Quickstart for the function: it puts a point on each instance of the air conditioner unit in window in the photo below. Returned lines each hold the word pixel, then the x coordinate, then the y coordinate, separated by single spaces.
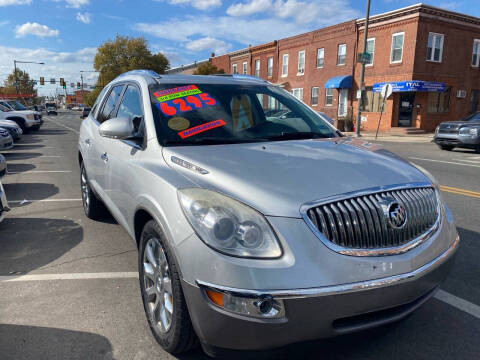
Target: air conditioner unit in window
pixel 301 71
pixel 462 94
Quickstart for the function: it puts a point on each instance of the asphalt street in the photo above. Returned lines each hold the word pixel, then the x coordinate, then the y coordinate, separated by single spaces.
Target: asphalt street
pixel 68 286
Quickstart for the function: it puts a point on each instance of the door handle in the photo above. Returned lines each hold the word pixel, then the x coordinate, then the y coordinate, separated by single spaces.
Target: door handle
pixel 104 157
pixel 88 142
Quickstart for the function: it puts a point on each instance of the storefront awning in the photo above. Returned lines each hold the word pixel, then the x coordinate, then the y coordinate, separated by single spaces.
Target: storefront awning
pixel 339 82
pixel 412 85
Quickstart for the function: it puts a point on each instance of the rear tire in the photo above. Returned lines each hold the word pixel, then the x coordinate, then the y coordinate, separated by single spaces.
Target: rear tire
pixel 92 206
pixel 446 147
pixel 162 293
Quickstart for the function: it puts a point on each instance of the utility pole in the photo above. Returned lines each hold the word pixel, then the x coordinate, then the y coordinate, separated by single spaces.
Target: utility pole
pixel 362 72
pixel 15 72
pixel 81 77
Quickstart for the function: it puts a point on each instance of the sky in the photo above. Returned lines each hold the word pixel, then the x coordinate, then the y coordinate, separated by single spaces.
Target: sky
pixel 64 34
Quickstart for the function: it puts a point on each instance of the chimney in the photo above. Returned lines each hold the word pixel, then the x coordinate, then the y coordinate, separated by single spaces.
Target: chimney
pixel 212 55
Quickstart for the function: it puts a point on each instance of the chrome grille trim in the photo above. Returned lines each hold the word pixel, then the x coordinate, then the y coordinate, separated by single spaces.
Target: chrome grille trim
pixel 354 223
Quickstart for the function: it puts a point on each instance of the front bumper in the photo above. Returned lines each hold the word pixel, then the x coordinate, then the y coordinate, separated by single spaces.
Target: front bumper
pixel 459 140
pixel 6 143
pixel 314 313
pixel 3 203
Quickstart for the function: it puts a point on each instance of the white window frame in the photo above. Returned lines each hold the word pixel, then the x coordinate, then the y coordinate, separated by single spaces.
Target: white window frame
pixel 301 71
pixel 338 54
pixel 318 57
pixel 432 58
pixel 269 66
pixel 326 96
pixel 311 96
pixel 300 90
pixel 373 53
pixel 391 47
pixel 284 64
pixel 234 69
pixel 476 41
pixel 257 67
pixel 244 68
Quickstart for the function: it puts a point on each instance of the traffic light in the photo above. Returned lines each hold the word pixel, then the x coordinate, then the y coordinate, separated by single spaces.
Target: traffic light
pixel 42 80
pixel 62 82
pixel 78 86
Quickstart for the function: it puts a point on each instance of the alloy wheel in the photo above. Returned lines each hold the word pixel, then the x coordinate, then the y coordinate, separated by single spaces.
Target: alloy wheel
pixel 157 284
pixel 85 189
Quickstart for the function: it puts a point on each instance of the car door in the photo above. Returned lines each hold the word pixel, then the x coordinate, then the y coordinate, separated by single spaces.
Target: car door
pixel 99 145
pixel 124 156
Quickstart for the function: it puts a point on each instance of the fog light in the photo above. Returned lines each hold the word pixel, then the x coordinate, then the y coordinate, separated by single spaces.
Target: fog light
pixel 264 306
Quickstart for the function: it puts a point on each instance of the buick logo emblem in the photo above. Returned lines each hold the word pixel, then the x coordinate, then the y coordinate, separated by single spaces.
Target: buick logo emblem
pixel 394 213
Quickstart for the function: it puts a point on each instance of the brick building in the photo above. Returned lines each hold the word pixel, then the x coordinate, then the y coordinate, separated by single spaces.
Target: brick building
pixel 430 56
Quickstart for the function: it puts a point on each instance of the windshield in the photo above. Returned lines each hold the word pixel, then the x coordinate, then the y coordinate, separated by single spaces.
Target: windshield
pixel 50 105
pixel 473 117
pixel 17 106
pixel 216 114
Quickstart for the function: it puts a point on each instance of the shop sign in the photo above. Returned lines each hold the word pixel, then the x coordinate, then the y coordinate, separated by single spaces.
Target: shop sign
pixel 412 85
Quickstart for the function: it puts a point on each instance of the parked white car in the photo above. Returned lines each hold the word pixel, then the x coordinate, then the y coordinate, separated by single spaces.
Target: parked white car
pixel 3 166
pixel 6 141
pixel 3 203
pixel 26 119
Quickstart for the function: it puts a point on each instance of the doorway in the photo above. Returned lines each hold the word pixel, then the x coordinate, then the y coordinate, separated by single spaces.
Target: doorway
pixel 405 111
pixel 342 103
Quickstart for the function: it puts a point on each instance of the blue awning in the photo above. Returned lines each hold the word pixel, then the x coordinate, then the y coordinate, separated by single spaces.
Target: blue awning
pixel 339 82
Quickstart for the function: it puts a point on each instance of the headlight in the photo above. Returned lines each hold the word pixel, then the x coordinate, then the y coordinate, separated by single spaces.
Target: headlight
pixel 473 131
pixel 227 225
pixel 30 116
pixel 436 129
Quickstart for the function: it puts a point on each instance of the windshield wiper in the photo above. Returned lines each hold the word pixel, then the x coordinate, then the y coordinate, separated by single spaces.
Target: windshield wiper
pixel 213 141
pixel 298 135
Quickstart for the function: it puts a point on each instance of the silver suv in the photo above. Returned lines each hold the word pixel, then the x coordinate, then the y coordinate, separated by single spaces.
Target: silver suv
pixel 258 224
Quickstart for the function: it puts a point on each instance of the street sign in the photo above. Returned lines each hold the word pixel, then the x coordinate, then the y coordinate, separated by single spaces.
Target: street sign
pixel 359 94
pixel 52 80
pixel 364 58
pixel 386 91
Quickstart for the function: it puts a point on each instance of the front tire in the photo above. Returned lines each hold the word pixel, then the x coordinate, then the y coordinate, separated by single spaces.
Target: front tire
pixel 162 294
pixel 446 147
pixel 92 206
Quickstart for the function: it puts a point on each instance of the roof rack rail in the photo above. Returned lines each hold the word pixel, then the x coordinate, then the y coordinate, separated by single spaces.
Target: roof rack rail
pixel 144 72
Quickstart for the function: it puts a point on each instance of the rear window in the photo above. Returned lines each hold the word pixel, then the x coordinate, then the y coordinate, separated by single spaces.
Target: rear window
pixel 212 113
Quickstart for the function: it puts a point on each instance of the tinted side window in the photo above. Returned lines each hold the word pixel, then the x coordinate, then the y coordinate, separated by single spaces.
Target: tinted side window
pixel 131 106
pixel 110 104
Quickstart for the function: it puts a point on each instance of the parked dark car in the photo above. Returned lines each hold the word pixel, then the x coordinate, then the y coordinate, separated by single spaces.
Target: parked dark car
pixel 463 134
pixel 85 112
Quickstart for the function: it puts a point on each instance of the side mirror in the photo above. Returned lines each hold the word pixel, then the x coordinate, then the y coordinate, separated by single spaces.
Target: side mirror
pixel 117 128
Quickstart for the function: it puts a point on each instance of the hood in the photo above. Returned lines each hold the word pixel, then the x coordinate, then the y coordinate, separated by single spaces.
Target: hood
pixel 23 112
pixel 9 123
pixel 276 178
pixel 455 125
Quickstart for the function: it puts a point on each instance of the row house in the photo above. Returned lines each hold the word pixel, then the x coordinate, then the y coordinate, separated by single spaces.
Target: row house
pixel 430 56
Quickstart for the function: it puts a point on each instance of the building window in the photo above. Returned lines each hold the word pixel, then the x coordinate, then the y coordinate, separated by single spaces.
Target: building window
pixel 371 101
pixel 234 69
pixel 320 57
pixel 341 54
pixel 371 51
pixel 474 99
pixel 257 68
pixel 285 65
pixel 301 62
pixel 476 53
pixel 244 68
pixel 397 48
pixel 298 93
pixel 439 102
pixel 328 97
pixel 270 67
pixel 314 100
pixel 435 47
pixel 272 103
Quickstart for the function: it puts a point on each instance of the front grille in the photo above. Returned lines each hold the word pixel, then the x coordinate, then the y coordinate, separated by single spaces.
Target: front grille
pixel 362 222
pixel 448 131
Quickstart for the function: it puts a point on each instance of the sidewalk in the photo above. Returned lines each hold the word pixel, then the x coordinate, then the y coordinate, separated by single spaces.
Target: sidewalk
pixel 370 136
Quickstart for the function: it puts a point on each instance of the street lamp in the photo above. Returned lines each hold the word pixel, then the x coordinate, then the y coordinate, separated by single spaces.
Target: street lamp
pixel 15 62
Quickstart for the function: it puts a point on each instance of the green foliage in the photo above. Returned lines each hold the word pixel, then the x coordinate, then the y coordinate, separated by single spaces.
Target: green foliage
pixel 207 69
pixel 126 53
pixel 25 85
pixel 89 99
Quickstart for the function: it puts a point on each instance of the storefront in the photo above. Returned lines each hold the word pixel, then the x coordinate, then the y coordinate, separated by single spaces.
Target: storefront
pixel 409 100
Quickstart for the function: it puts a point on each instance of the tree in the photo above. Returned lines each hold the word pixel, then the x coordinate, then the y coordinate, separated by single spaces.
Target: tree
pixel 207 69
pixel 25 85
pixel 127 53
